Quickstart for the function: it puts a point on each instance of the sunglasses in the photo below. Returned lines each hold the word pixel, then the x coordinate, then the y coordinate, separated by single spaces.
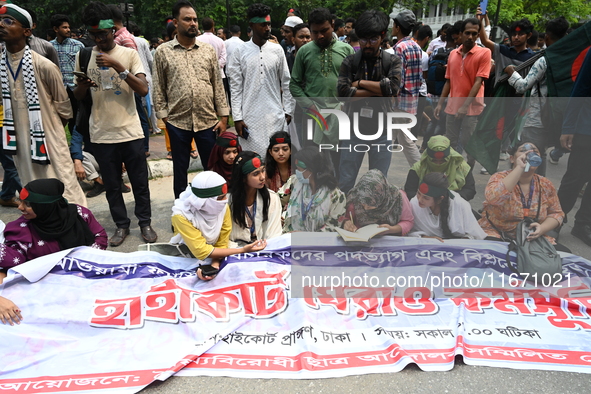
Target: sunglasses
pixel 372 41
pixel 8 21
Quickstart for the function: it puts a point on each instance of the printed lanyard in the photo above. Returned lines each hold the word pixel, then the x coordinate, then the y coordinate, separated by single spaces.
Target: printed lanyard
pixel 307 209
pixel 251 217
pixel 373 71
pixel 527 206
pixel 18 70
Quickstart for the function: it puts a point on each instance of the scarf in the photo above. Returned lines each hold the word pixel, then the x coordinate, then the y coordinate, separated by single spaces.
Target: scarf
pixel 374 190
pixel 38 147
pixel 455 167
pixel 56 220
pixel 216 161
pixel 206 214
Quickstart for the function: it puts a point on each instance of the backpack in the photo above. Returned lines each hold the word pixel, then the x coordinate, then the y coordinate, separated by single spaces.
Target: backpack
pixel 84 105
pixel 537 260
pixel 386 62
pixel 436 72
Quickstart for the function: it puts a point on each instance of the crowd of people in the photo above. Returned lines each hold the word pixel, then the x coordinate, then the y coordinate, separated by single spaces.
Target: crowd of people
pixel 112 88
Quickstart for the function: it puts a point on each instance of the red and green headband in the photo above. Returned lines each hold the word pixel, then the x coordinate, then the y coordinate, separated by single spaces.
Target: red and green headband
pixel 260 19
pixel 433 191
pixel 227 142
pixel 38 198
pixel 104 24
pixel 214 191
pixel 280 140
pixel 252 165
pixel 438 155
pixel 300 164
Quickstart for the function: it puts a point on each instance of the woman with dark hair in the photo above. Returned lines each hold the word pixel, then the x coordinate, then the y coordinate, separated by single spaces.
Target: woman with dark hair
pixel 374 201
pixel 226 148
pixel 278 160
pixel 441 213
pixel 256 211
pixel 315 202
pixel 513 195
pixel 48 224
pixel 202 220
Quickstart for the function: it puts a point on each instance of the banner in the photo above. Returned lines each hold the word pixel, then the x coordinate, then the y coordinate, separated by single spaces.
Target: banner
pixel 96 320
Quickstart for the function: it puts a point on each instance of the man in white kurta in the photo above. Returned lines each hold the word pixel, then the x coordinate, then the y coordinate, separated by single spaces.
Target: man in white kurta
pixel 55 107
pixel 259 86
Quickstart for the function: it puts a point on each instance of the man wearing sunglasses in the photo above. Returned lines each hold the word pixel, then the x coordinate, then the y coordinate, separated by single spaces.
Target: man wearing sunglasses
pixel 370 72
pixel 114 125
pixel 36 109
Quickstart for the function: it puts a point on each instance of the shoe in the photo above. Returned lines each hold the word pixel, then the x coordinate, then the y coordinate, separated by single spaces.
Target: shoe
pixel 504 156
pixel 119 236
pixel 194 154
pixel 582 232
pixel 12 203
pixel 125 188
pixel 169 155
pixel 97 189
pixel 483 171
pixel 149 234
pixel 147 154
pixel 552 158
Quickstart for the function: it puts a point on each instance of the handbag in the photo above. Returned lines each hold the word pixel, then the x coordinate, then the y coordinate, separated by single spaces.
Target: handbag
pixel 535 259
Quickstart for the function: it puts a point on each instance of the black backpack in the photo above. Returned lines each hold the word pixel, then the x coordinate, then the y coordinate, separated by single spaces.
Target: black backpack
pixel 84 105
pixel 436 73
pixel 386 61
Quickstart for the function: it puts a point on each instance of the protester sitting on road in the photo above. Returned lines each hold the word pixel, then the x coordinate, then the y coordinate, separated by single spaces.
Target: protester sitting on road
pixel 442 213
pixel 374 201
pixel 226 148
pixel 202 220
pixel 315 202
pixel 512 195
pixel 278 160
pixel 256 210
pixel 48 224
pixel 441 157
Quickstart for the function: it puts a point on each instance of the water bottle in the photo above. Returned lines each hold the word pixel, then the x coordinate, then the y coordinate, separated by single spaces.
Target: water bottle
pixel 106 81
pixel 533 159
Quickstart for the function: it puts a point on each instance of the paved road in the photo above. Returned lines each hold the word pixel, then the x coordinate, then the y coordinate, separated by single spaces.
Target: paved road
pixel 462 379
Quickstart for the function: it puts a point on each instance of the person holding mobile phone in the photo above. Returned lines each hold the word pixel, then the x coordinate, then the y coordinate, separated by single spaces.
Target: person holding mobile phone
pixel 201 219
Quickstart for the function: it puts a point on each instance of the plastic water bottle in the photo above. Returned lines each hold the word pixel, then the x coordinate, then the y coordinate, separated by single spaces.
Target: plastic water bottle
pixel 533 160
pixel 106 81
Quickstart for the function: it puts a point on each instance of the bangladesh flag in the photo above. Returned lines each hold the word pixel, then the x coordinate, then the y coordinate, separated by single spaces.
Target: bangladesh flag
pixel 565 59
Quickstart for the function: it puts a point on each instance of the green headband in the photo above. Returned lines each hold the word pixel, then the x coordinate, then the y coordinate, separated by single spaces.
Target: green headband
pixel 30 196
pixel 104 24
pixel 17 13
pixel 252 165
pixel 210 191
pixel 442 154
pixel 227 142
pixel 300 164
pixel 433 191
pixel 260 19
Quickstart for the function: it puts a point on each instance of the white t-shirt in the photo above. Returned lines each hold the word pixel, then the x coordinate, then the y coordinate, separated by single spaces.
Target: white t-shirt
pixel 114 118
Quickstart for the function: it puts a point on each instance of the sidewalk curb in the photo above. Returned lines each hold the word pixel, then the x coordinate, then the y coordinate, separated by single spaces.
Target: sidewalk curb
pixel 160 168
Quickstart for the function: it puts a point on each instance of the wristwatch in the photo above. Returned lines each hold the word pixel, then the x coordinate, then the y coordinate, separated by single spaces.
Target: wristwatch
pixel 123 74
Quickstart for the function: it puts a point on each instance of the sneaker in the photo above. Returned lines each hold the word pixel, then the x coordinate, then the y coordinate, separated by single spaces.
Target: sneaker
pixel 554 156
pixel 97 189
pixel 504 156
pixel 483 171
pixel 125 188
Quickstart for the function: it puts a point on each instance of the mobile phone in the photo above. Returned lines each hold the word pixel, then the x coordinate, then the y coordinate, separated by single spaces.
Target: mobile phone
pixel 483 5
pixel 81 75
pixel 245 133
pixel 208 270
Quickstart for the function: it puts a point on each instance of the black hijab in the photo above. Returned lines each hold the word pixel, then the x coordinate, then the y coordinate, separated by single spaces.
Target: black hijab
pixel 56 219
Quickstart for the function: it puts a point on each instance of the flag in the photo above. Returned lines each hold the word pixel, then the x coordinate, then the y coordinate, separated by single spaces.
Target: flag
pixel 565 59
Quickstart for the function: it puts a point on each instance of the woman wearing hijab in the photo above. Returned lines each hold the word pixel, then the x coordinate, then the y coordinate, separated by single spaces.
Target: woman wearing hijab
pixel 278 160
pixel 201 220
pixel 441 213
pixel 256 210
pixel 315 203
pixel 225 150
pixel 48 224
pixel 441 157
pixel 374 201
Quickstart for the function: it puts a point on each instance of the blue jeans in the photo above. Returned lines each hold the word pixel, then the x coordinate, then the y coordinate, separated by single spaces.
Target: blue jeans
pixel 12 182
pixel 180 144
pixel 350 160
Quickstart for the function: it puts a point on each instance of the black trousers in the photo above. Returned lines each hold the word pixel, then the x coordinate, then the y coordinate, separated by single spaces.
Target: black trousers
pixel 110 157
pixel 74 103
pixel 578 172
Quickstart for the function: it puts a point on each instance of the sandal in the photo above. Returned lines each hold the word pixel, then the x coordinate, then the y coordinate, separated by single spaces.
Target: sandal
pixel 194 154
pixel 169 155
